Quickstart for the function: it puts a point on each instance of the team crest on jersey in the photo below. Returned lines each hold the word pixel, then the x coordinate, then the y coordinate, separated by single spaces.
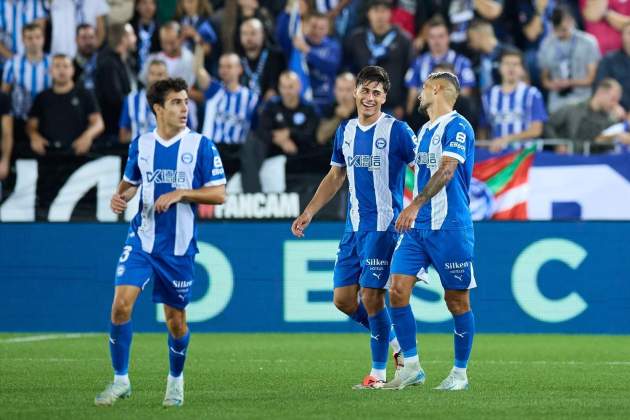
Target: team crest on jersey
pixel 380 143
pixel 435 140
pixel 187 157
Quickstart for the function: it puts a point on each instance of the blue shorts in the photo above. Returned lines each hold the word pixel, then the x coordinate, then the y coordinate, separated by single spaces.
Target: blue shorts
pixel 449 251
pixel 172 275
pixel 363 258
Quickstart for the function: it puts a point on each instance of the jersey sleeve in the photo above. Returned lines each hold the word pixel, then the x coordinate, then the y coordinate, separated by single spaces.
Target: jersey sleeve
pixel 538 107
pixel 412 77
pixel 408 142
pixel 125 118
pixel 212 172
pixel 337 154
pixel 132 171
pixel 458 138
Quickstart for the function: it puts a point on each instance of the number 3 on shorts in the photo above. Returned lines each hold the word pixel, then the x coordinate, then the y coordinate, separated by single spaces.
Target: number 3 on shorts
pixel 125 254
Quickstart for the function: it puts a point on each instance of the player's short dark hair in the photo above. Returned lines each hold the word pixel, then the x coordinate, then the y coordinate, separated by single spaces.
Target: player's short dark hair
pixel 31 27
pixel 158 90
pixel 512 52
pixel 448 76
pixel 374 74
pixel 559 14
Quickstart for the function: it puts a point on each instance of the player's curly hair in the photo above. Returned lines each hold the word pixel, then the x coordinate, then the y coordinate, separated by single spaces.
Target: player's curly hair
pixel 158 91
pixel 374 74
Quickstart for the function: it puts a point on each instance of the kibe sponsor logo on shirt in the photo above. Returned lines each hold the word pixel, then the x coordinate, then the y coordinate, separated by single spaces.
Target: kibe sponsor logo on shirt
pixel 166 176
pixel 372 162
pixel 431 160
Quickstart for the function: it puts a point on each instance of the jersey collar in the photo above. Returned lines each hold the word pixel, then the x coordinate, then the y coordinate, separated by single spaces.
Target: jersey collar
pixel 170 142
pixel 441 119
pixel 365 128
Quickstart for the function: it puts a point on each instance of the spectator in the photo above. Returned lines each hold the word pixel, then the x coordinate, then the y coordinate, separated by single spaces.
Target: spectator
pixel 64 118
pixel 605 19
pixel 14 15
pixel 462 12
pixel 289 22
pixel 339 13
pixel 568 61
pixel 488 50
pixel 113 80
pixel 323 57
pixel 528 22
pixel 262 63
pixel 137 117
pixel 384 45
pixel 147 27
pixel 463 105
pixel 439 52
pixel 343 108
pixel 617 134
pixel 229 20
pixel 513 111
pixel 18 79
pixel 120 11
pixel 194 17
pixel 6 145
pixel 585 120
pixel 617 66
pixel 230 109
pixel 287 130
pixel 66 15
pixel 85 60
pixel 179 61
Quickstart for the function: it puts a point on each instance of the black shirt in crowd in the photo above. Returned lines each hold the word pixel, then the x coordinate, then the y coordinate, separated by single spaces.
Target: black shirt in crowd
pixel 262 74
pixel 395 61
pixel 63 117
pixel 112 84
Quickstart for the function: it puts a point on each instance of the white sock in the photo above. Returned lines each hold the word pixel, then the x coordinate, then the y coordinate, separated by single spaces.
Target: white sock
pixel 459 371
pixel 395 345
pixel 179 378
pixel 379 374
pixel 412 359
pixel 121 379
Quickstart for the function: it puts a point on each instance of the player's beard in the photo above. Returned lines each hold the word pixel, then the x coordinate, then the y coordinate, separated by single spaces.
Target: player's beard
pixel 423 108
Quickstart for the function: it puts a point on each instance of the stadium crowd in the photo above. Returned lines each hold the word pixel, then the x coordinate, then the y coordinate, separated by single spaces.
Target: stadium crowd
pixel 271 80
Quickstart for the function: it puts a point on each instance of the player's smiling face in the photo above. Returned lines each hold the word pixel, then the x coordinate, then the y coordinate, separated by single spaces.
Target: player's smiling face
pixel 369 97
pixel 175 110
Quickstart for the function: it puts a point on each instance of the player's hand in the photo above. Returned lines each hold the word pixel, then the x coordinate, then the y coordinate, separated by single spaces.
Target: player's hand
pixel 118 204
pixel 300 224
pixel 407 217
pixel 166 200
pixel 39 145
pixel 82 145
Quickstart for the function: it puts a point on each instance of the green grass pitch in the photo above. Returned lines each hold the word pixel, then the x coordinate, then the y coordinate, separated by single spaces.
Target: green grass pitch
pixel 309 376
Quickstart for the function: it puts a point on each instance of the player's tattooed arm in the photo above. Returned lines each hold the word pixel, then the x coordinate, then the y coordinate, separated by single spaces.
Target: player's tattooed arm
pixel 439 179
pixel 442 177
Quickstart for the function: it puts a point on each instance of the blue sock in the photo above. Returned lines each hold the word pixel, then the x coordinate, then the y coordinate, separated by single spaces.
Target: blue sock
pixel 380 325
pixel 405 326
pixel 463 337
pixel 177 353
pixel 361 316
pixel 119 346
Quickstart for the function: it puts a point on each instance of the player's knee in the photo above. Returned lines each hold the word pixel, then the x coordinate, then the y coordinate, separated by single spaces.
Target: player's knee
pixel 457 306
pixel 121 310
pixel 398 296
pixel 345 305
pixel 177 327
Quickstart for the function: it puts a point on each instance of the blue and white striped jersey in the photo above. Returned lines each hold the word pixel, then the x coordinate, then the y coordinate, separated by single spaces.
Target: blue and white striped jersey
pixel 27 80
pixel 228 115
pixel 450 135
pixel 188 161
pixel 14 15
pixel 136 115
pixel 513 112
pixel 424 64
pixel 375 157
